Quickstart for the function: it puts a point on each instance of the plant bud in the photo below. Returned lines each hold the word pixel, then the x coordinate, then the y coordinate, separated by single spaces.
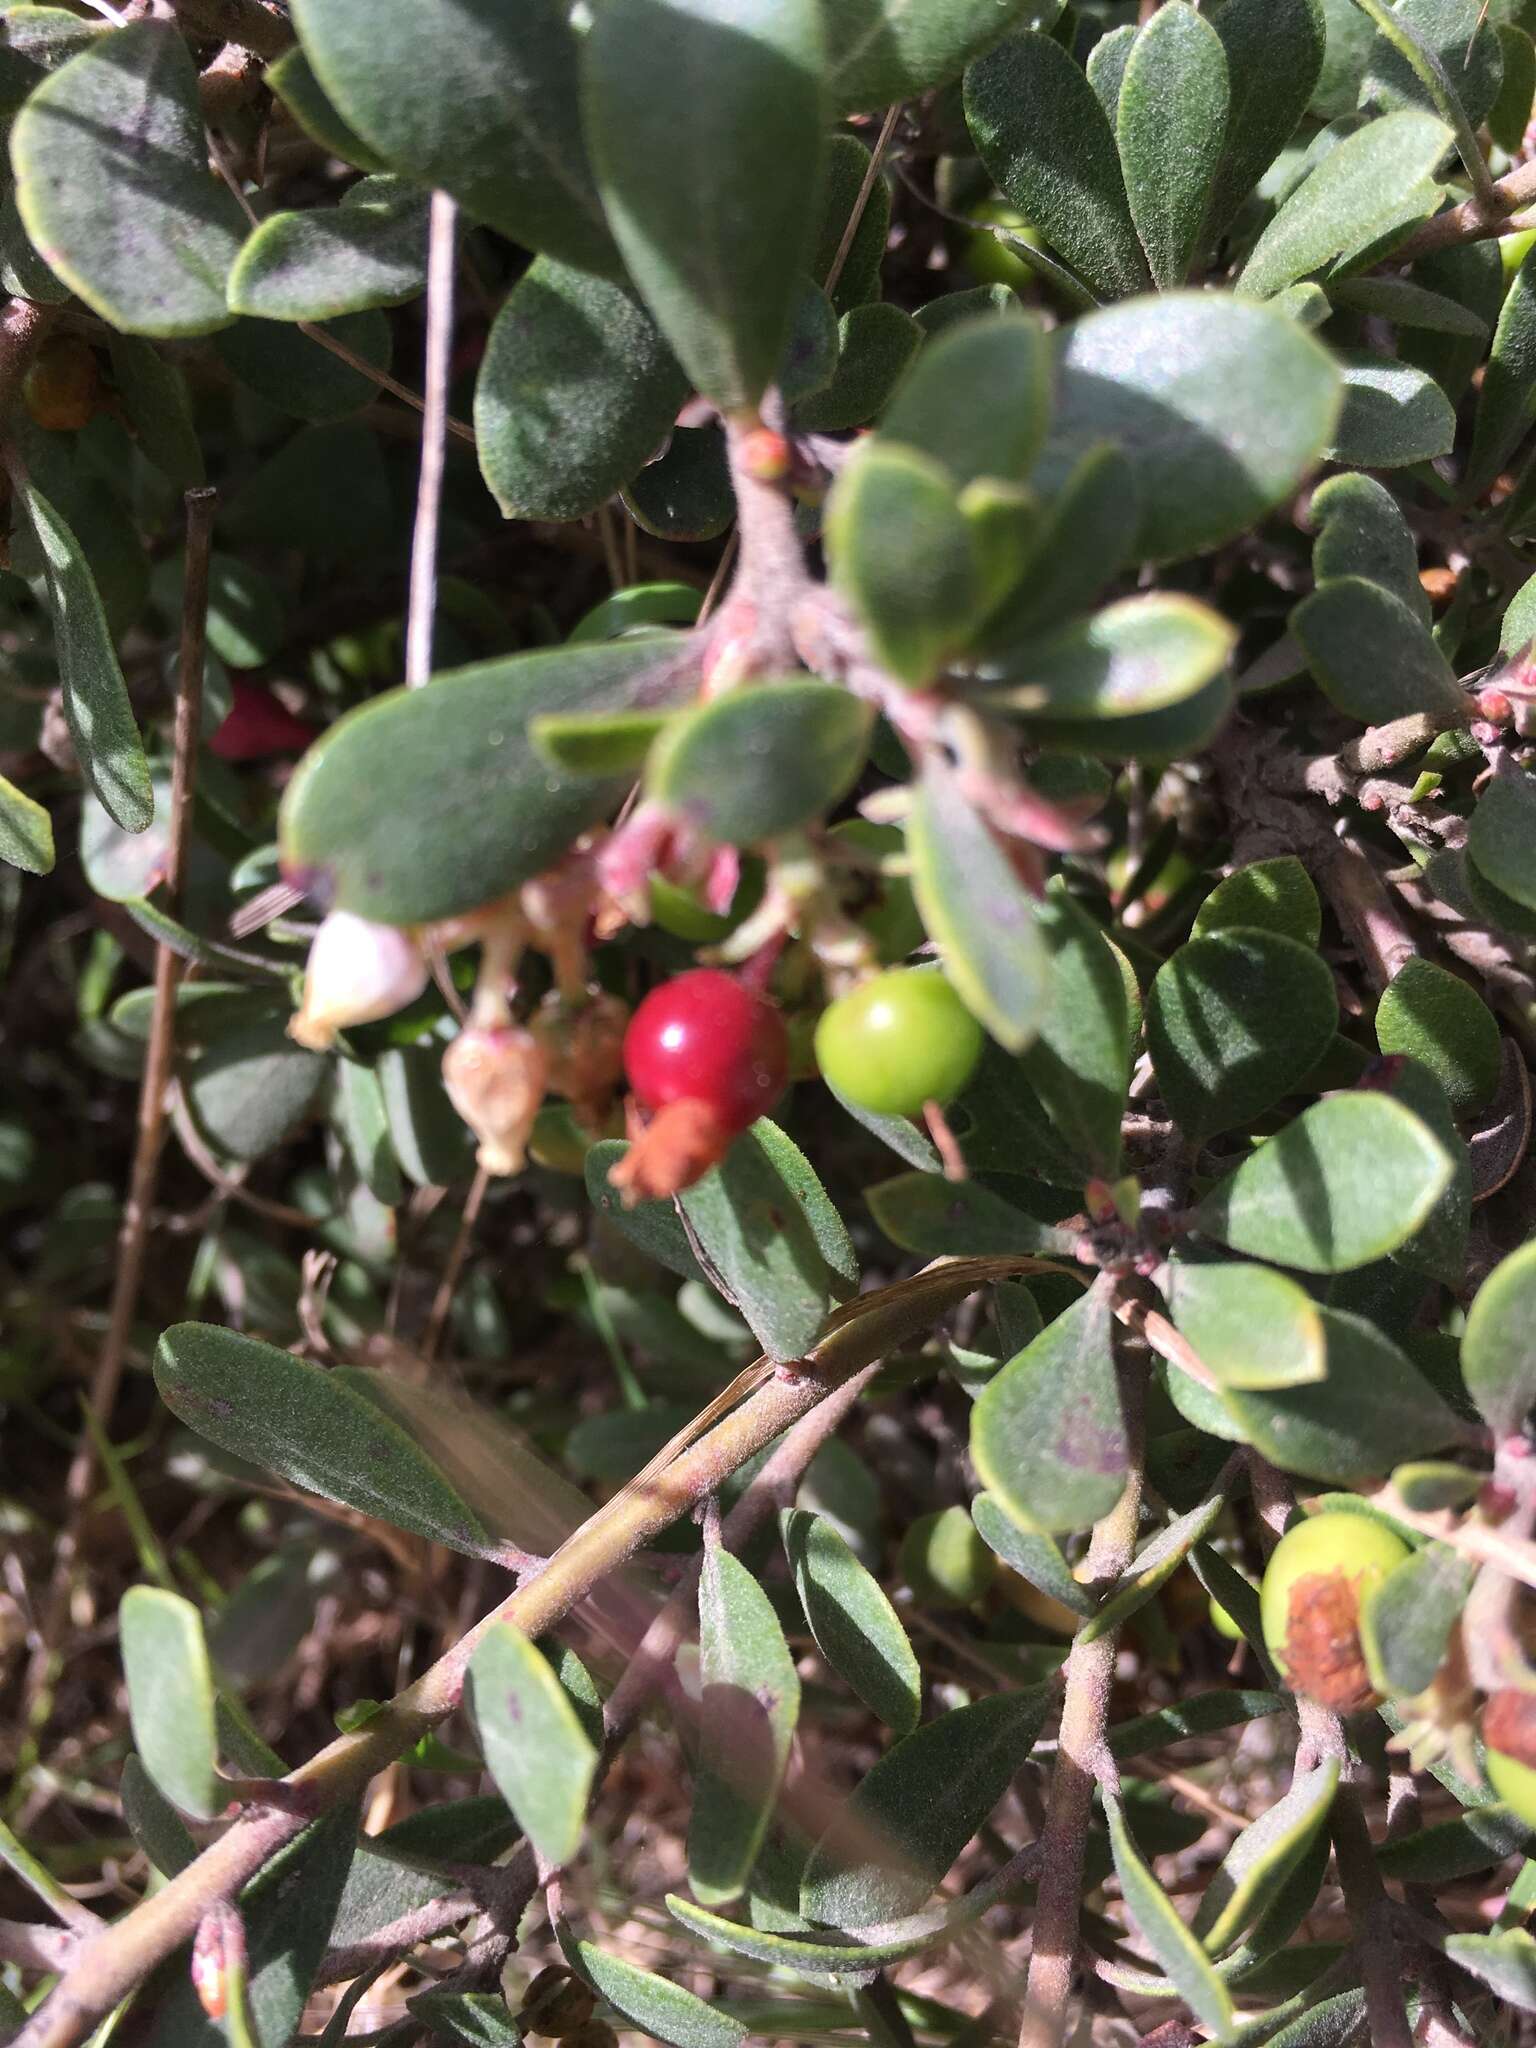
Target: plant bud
pixel 495 1078
pixel 218 1954
pixel 765 455
pixel 584 1048
pixel 557 2004
pixel 62 387
pixel 357 972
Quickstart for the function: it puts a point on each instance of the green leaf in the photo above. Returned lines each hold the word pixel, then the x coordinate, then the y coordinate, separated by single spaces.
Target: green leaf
pixel 760 762
pixel 1343 205
pixel 535 1747
pixel 1505 1962
pixel 903 553
pixel 477 2019
pixel 1498 1358
pixel 1361 532
pixel 371 250
pixel 1047 1435
pixel 1408 305
pixel 1454 1849
pixel 1235 1021
pixel 112 181
pixel 976 909
pixel 26 831
pixel 1171 1942
pixel 405 814
pixel 910 1816
pixel 827 1226
pixel 1088 536
pixel 1440 1020
pixel 301 376
pixel 288 1913
pixel 464 95
pixel 1171 127
pixel 653 1226
pixel 312 1429
pixel 158 408
pixel 1502 840
pixel 1202 1713
pixel 1042 134
pixel 248 1085
pixel 705 126
pixel 1273 895
pixel 939 1218
pixel 170 1698
pixel 1458 40
pixel 152 1821
pixel 879 51
pixel 977 400
pixel 824 1955
pixel 1349 1180
pixel 1033 1556
pixel 574 393
pixel 426 1133
pixel 1510 114
pixel 1372 656
pixel 1178 382
pixel 845 170
pixel 761 1242
pixel 292 78
pixel 1106 64
pixel 642 604
pixel 1393 414
pixel 664 2010
pixel 363 1124
pixel 875 346
pixel 96 707
pixel 856 1628
pixel 1407 1622
pixel 1274 54
pixel 748 1706
pixel 1080 1064
pixel 686 493
pixel 1139 654
pixel 1373 1409
pixel 1473 276
pixel 1253 1327
pixel 1151 1569
pixel 1259 1862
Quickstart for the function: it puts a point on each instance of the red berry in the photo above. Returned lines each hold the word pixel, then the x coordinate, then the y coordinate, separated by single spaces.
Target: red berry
pixel 259 724
pixel 704 1038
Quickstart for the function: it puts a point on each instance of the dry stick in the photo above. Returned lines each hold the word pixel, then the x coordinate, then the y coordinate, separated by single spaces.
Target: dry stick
pixel 133 1233
pixel 1472 221
pixel 861 199
pixel 1084 1714
pixel 123 1954
pixel 382 378
pixel 429 487
pixel 447 1287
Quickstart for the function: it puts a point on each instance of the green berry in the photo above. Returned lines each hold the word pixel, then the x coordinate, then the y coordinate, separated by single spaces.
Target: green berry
pixel 1322 1572
pixel 899 1041
pixel 944 1560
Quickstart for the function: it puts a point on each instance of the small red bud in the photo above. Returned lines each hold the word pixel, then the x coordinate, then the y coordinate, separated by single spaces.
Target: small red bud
pixel 584 1050
pixel 765 455
pixel 218 1951
pixel 1494 705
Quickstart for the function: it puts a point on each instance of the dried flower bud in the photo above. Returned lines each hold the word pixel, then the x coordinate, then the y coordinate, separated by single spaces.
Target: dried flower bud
pixel 584 1047
pixel 495 1078
pixel 62 388
pixel 357 972
pixel 218 1955
pixel 1323 1652
pixel 677 1147
pixel 559 906
pixel 557 2004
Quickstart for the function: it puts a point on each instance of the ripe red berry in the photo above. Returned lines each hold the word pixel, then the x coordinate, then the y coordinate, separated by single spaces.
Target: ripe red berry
pixel 705 1038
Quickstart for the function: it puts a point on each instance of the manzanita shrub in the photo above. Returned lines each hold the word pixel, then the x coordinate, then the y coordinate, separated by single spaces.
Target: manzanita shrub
pixel 791 749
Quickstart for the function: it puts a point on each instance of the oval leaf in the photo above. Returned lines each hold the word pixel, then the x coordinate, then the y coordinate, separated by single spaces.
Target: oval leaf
pixel 1498 1349
pixel 1171 125
pixel 856 1628
pixel 535 1747
pixel 759 762
pixel 170 1698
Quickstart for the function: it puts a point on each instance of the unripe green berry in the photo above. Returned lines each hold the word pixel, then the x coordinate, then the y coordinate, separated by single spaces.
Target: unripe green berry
pixel 944 1560
pixel 898 1042
pixel 1321 1574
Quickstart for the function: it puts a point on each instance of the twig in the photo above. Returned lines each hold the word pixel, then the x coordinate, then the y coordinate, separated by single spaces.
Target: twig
pixel 1084 1714
pixel 429 487
pixel 123 1954
pixel 1472 221
pixel 133 1232
pixel 34 1945
pixel 382 378
pixel 1431 74
pixel 861 200
pixel 447 1287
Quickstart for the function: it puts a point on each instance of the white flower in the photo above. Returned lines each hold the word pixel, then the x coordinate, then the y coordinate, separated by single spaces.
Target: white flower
pixel 356 972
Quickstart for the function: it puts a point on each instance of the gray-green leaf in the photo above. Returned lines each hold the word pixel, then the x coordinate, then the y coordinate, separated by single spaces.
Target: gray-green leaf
pixel 856 1628
pixel 535 1747
pixel 170 1697
pixel 1171 127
